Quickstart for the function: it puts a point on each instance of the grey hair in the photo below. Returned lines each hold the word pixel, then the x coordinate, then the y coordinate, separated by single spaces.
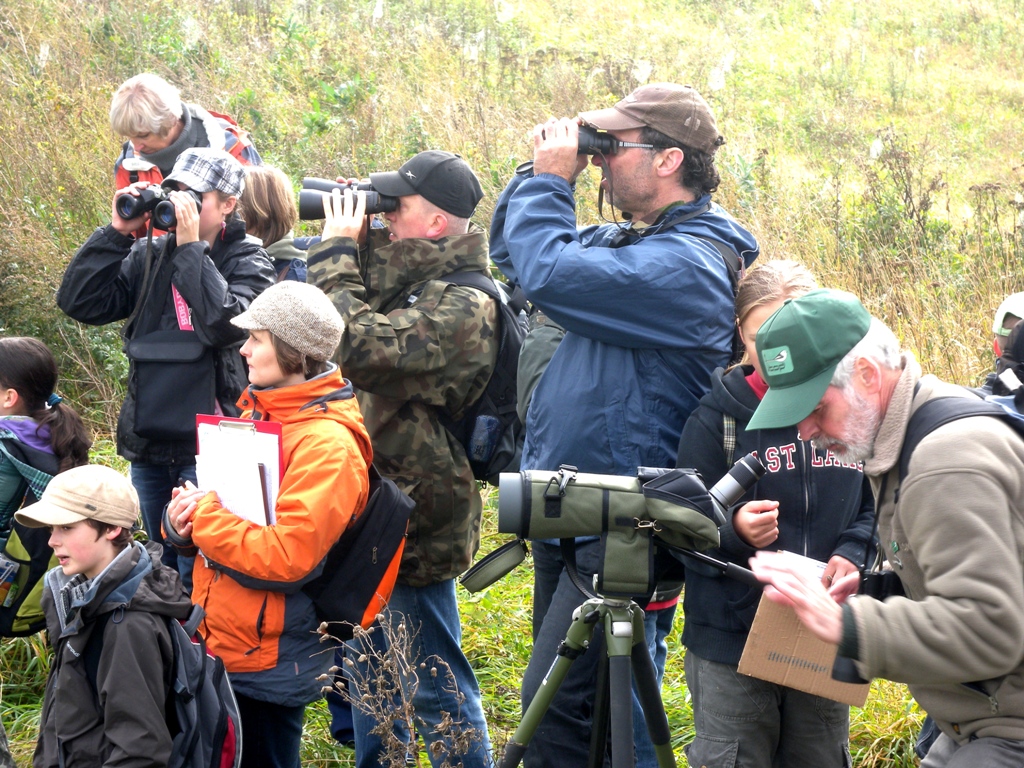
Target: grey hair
pixel 879 344
pixel 144 104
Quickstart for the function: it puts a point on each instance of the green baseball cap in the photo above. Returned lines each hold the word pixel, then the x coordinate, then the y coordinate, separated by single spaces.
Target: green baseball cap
pixel 799 348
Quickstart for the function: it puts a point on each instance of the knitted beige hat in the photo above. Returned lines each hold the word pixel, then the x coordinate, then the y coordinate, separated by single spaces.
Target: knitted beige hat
pixel 300 315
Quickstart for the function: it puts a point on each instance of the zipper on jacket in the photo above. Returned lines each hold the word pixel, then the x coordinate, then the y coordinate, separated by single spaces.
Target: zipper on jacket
pixel 259 629
pixel 805 474
pixel 993 702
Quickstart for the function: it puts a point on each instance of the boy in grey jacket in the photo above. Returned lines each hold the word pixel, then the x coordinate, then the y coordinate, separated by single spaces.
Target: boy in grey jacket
pixel 109 585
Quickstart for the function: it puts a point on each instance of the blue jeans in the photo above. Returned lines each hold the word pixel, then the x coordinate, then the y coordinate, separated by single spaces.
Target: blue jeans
pixel 657 627
pixel 432 616
pixel 563 735
pixel 271 734
pixel 154 482
pixel 339 707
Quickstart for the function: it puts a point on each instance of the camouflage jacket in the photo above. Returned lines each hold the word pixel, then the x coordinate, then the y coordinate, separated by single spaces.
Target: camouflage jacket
pixel 412 345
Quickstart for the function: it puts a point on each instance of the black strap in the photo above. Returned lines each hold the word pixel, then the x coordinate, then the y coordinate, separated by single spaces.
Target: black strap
pixel 568 548
pixel 731 258
pixel 150 273
pixel 942 410
pixel 484 282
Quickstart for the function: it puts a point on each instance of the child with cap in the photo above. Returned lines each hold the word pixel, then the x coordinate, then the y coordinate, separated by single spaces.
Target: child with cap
pixel 179 292
pixel 248 579
pixel 112 592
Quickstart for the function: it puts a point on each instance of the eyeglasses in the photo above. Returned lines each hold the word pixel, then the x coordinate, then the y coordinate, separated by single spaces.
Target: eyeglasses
pixel 595 142
pixel 638 145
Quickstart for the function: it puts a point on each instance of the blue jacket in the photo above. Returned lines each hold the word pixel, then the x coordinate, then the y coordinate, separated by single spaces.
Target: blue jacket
pixel 647 319
pixel 825 508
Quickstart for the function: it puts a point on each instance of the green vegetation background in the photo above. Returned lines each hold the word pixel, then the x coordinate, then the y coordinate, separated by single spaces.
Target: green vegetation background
pixel 877 142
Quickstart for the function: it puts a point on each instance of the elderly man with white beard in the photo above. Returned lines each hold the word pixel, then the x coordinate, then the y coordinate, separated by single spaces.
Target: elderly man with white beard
pixel 952 527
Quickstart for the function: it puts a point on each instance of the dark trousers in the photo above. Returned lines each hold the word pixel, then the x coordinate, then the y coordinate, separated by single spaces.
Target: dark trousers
pixel 271 734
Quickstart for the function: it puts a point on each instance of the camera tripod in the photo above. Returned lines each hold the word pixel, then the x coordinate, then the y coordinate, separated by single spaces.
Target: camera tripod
pixel 627 657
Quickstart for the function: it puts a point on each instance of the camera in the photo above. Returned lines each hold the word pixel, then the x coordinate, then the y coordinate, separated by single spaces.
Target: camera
pixel 311 201
pixel 880 585
pixel 155 199
pixel 632 515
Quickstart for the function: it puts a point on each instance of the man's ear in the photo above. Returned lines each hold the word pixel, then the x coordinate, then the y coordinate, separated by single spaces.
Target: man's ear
pixel 668 161
pixel 867 375
pixel 437 225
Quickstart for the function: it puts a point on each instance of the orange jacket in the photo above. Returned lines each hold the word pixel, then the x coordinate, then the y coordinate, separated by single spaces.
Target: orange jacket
pixel 247 577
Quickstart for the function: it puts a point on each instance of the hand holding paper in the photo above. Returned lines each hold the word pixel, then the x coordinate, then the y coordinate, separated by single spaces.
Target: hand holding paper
pixel 790 582
pixel 182 507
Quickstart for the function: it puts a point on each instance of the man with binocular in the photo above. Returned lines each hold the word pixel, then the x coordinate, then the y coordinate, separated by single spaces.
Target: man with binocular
pixel 416 345
pixel 647 307
pixel 947 487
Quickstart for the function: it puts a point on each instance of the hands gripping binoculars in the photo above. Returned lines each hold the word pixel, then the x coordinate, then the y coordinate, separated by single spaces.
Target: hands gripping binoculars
pixel 311 200
pixel 156 200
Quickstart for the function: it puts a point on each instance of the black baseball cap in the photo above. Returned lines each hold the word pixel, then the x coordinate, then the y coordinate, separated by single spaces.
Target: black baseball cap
pixel 443 178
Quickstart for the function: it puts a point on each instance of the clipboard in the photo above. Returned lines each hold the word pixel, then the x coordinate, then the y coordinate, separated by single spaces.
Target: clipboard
pixel 243 461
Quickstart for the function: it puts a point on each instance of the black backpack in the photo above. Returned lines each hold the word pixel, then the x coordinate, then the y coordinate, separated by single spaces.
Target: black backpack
pixel 490 431
pixel 202 713
pixel 360 570
pixel 20 612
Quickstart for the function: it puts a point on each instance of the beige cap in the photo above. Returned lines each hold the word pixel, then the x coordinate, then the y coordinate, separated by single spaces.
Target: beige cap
pixel 92 492
pixel 300 315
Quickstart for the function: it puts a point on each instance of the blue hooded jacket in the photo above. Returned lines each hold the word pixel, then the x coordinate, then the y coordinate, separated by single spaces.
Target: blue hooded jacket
pixel 648 314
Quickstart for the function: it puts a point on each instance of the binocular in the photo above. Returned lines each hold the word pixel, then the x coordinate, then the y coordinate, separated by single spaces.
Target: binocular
pixel 155 199
pixel 311 197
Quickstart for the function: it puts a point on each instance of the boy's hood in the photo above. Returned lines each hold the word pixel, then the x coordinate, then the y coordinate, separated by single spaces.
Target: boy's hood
pixel 135 580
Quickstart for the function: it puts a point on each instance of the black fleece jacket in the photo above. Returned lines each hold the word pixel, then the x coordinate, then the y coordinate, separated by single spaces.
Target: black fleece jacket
pixel 825 509
pixel 103 283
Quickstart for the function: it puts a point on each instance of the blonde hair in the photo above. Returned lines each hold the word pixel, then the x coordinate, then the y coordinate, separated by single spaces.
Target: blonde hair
pixel 771 281
pixel 144 104
pixel 768 283
pixel 268 203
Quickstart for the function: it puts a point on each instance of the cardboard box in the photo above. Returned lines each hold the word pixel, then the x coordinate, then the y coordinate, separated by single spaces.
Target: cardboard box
pixel 781 650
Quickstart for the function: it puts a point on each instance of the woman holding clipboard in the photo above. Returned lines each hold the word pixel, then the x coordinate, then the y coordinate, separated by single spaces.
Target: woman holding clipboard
pixel 249 576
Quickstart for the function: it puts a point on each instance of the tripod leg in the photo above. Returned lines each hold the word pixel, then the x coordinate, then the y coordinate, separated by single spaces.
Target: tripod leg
pixel 651 703
pixel 575 644
pixel 623 625
pixel 599 719
pixel 620 685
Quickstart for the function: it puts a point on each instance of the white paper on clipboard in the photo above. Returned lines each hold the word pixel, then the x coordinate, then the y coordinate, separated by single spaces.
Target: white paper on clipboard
pixel 240 460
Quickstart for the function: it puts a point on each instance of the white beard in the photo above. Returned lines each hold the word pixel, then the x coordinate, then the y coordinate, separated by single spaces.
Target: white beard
pixel 860 431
